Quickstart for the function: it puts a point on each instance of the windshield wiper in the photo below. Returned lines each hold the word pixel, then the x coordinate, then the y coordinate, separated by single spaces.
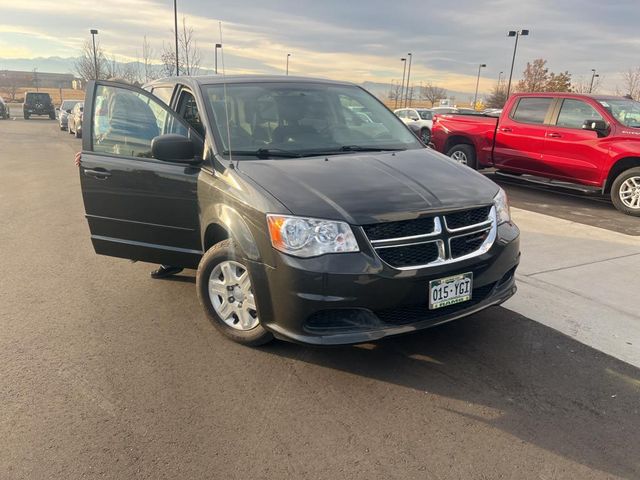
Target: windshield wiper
pixel 359 148
pixel 264 153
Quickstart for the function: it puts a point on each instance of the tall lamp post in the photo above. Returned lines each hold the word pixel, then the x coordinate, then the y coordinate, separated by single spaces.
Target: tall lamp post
pixel 288 55
pixel 593 77
pixel 94 32
pixel 218 45
pixel 406 93
pixel 475 97
pixel 404 72
pixel 500 79
pixel 517 34
pixel 175 31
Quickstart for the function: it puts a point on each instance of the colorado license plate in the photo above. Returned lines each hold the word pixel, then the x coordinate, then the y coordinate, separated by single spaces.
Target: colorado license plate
pixel 450 290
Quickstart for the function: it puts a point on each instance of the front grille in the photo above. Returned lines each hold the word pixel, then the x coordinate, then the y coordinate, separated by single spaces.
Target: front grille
pixel 404 228
pixel 467 217
pixel 421 242
pixel 419 313
pixel 407 255
pixel 466 244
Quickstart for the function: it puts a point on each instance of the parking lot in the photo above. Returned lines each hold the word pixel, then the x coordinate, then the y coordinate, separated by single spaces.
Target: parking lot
pixel 110 374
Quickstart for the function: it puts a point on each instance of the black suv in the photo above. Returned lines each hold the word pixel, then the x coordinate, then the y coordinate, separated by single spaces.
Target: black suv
pixel 38 103
pixel 304 221
pixel 4 109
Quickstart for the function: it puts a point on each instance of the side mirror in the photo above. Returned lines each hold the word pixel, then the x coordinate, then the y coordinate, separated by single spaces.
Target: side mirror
pixel 68 110
pixel 57 109
pixel 173 148
pixel 599 126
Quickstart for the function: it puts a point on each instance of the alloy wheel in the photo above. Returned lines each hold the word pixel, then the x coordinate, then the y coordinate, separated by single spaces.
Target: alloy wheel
pixel 629 192
pixel 459 156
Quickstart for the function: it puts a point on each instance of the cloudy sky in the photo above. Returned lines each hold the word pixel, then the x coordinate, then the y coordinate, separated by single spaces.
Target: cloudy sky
pixel 350 40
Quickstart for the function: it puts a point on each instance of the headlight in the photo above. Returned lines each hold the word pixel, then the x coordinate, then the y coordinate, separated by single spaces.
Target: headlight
pixel 502 207
pixel 310 237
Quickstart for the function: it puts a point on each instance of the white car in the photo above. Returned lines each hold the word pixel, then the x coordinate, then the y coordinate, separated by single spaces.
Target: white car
pixel 420 120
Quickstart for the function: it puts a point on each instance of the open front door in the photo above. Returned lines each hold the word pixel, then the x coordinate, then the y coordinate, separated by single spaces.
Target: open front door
pixel 137 207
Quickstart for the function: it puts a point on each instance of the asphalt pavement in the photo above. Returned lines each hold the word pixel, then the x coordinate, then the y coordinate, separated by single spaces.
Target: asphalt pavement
pixel 106 373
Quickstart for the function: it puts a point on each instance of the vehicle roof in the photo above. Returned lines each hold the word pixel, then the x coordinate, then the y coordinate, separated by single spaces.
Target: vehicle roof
pixel 567 94
pixel 219 79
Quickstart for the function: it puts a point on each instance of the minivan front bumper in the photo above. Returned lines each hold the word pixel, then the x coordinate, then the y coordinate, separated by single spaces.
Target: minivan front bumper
pixel 355 297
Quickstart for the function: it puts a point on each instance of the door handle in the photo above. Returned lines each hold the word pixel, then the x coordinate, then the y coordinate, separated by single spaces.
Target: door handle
pixel 98 173
pixel 505 129
pixel 554 135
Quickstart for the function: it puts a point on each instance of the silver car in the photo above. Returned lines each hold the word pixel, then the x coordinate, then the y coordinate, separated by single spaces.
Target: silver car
pixel 420 120
pixel 63 112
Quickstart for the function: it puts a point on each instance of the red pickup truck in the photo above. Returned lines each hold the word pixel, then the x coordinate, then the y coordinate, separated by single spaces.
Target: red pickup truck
pixel 591 140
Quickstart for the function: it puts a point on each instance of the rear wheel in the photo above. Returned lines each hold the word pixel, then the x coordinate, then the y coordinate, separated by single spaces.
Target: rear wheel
pixel 625 192
pixel 464 154
pixel 226 293
pixel 78 133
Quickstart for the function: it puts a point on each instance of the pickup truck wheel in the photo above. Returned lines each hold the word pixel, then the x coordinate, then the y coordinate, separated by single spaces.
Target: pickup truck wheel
pixel 625 192
pixel 464 154
pixel 225 291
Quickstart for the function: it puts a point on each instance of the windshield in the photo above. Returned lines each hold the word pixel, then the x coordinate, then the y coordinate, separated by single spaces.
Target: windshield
pixel 425 114
pixel 625 111
pixel 68 104
pixel 303 119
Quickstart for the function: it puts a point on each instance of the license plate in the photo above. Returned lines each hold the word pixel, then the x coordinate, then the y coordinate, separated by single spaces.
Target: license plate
pixel 450 290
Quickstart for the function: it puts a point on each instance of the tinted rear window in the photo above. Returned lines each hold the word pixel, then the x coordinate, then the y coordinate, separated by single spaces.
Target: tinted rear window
pixel 38 97
pixel 532 110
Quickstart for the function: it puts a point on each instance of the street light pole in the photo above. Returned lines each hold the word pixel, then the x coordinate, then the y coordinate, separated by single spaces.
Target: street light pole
pixel 593 76
pixel 94 32
pixel 406 94
pixel 218 45
pixel 175 31
pixel 288 55
pixel 500 79
pixel 475 97
pixel 404 72
pixel 517 34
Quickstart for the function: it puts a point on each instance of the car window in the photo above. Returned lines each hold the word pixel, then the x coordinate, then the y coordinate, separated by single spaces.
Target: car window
pixel 401 113
pixel 573 113
pixel 412 114
pixel 163 93
pixel 532 110
pixel 425 114
pixel 125 122
pixel 302 117
pixel 38 97
pixel 188 110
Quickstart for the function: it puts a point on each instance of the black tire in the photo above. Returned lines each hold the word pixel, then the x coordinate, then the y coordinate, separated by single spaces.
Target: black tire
pixel 225 250
pixel 78 133
pixel 26 117
pixel 425 136
pixel 620 183
pixel 52 117
pixel 464 154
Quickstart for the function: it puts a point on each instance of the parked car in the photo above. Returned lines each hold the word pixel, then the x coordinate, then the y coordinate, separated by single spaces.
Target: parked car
pixel 589 140
pixel 443 110
pixel 420 120
pixel 304 222
pixel 4 109
pixel 38 103
pixel 64 110
pixel 74 120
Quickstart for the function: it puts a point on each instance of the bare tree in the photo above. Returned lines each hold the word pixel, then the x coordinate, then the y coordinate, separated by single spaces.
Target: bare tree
pixel 189 53
pixel 582 85
pixel 147 55
pixel 432 93
pixel 85 65
pixel 631 82
pixel 537 78
pixel 10 85
pixel 498 97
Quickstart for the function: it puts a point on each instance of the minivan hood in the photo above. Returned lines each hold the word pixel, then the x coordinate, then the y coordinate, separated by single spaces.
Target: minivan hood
pixel 364 188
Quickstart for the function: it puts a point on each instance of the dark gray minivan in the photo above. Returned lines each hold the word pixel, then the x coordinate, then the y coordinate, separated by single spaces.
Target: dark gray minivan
pixel 304 220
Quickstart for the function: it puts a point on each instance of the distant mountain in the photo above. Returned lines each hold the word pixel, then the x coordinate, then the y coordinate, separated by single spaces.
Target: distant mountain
pixel 67 65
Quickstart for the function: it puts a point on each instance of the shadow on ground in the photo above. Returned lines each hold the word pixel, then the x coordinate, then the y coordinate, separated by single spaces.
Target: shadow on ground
pixel 553 392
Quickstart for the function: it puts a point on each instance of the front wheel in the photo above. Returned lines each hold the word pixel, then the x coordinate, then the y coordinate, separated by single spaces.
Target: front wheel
pixel 425 136
pixel 625 192
pixel 464 154
pixel 226 293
